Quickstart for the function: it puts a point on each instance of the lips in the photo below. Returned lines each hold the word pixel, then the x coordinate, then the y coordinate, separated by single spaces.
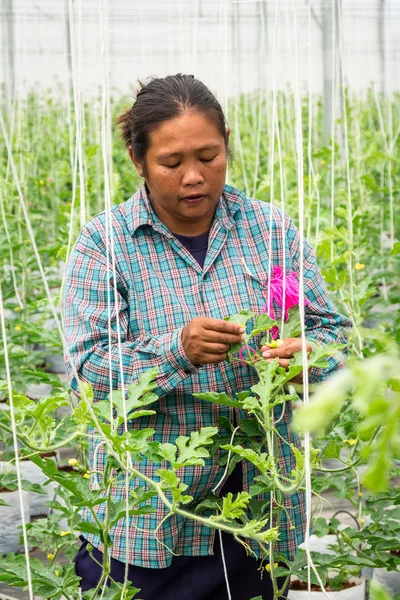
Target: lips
pixel 194 198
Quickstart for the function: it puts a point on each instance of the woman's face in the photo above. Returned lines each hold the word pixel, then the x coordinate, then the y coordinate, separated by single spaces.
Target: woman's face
pixel 185 171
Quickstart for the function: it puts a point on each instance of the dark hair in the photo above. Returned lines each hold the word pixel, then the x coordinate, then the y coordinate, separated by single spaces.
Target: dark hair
pixel 162 99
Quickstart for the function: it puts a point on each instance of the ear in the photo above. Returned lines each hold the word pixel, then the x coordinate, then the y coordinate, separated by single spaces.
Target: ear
pixel 228 132
pixel 138 164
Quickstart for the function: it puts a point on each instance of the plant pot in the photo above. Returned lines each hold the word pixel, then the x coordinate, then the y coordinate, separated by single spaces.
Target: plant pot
pixel 55 363
pixel 355 592
pixel 33 474
pixel 320 544
pixel 389 579
pixel 35 391
pixel 10 519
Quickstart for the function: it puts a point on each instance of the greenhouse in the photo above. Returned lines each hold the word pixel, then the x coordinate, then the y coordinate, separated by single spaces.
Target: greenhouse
pixel 199 300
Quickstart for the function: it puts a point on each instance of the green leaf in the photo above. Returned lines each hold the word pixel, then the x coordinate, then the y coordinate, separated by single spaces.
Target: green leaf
pixel 251 427
pixel 136 414
pixel 240 318
pixel 218 398
pixel 395 249
pixel 321 527
pixel 263 323
pixel 170 478
pixel 233 508
pixel 292 328
pixel 139 393
pixel 115 592
pixel 212 502
pixel 376 478
pixel 32 487
pixel 87 527
pixel 118 510
pixel 191 450
pixel 332 449
pixel 262 461
pixel 102 410
pixel 168 452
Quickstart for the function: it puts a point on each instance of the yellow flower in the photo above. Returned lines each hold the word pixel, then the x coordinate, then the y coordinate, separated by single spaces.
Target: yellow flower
pixel 17 308
pixel 87 475
pixel 57 573
pixel 360 494
pixel 275 343
pixel 73 462
pixel 21 367
pixel 18 328
pixel 350 442
pixel 359 266
pixel 63 533
pixel 362 521
pixel 50 556
pixel 268 567
pixel 41 182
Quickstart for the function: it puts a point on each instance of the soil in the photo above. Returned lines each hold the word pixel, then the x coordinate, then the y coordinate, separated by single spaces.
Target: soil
pixel 303 586
pixel 395 552
pixel 65 468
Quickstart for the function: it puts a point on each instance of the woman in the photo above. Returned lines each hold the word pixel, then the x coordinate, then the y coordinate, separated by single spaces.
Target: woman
pixel 180 244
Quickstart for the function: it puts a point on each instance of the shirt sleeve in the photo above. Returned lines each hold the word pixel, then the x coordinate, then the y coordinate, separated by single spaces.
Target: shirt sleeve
pixel 90 305
pixel 324 324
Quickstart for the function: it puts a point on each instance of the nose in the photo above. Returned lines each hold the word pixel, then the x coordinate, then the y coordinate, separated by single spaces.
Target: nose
pixel 192 176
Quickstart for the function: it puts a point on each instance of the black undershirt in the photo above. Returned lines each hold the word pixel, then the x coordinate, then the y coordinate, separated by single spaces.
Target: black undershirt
pixel 196 245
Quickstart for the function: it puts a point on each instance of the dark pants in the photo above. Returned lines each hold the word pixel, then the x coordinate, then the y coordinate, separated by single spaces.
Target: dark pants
pixel 188 577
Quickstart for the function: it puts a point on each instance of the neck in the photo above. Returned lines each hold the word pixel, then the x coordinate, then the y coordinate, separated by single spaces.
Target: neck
pixel 184 226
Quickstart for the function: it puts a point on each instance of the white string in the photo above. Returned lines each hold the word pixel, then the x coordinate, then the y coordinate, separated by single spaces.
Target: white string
pixel 228 589
pixel 107 159
pixel 71 218
pixel 15 442
pixel 300 180
pixel 77 106
pixel 215 488
pixel 271 166
pixel 333 124
pixel 12 268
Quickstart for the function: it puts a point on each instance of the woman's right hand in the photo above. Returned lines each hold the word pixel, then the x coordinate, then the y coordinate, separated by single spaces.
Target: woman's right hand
pixel 206 341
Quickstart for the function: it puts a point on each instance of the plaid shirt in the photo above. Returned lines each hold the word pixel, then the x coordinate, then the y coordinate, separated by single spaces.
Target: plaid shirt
pixel 160 288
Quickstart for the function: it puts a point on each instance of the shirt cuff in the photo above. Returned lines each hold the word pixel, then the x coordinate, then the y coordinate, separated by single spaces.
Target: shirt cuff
pixel 175 354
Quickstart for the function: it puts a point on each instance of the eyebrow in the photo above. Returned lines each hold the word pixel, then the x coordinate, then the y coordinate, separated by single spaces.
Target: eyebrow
pixel 173 154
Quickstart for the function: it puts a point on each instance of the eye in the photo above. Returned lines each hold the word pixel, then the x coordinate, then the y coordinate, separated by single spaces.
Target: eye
pixel 208 159
pixel 172 166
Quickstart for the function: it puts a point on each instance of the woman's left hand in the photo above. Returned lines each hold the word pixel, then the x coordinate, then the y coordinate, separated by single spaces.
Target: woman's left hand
pixel 284 352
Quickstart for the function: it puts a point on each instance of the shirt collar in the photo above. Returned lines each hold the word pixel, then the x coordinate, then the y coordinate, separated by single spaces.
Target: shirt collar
pixel 139 212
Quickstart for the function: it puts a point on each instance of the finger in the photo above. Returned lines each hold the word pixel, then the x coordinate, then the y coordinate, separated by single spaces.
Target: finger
pixel 283 351
pixel 212 359
pixel 295 345
pixel 216 348
pixel 222 326
pixel 283 362
pixel 218 337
